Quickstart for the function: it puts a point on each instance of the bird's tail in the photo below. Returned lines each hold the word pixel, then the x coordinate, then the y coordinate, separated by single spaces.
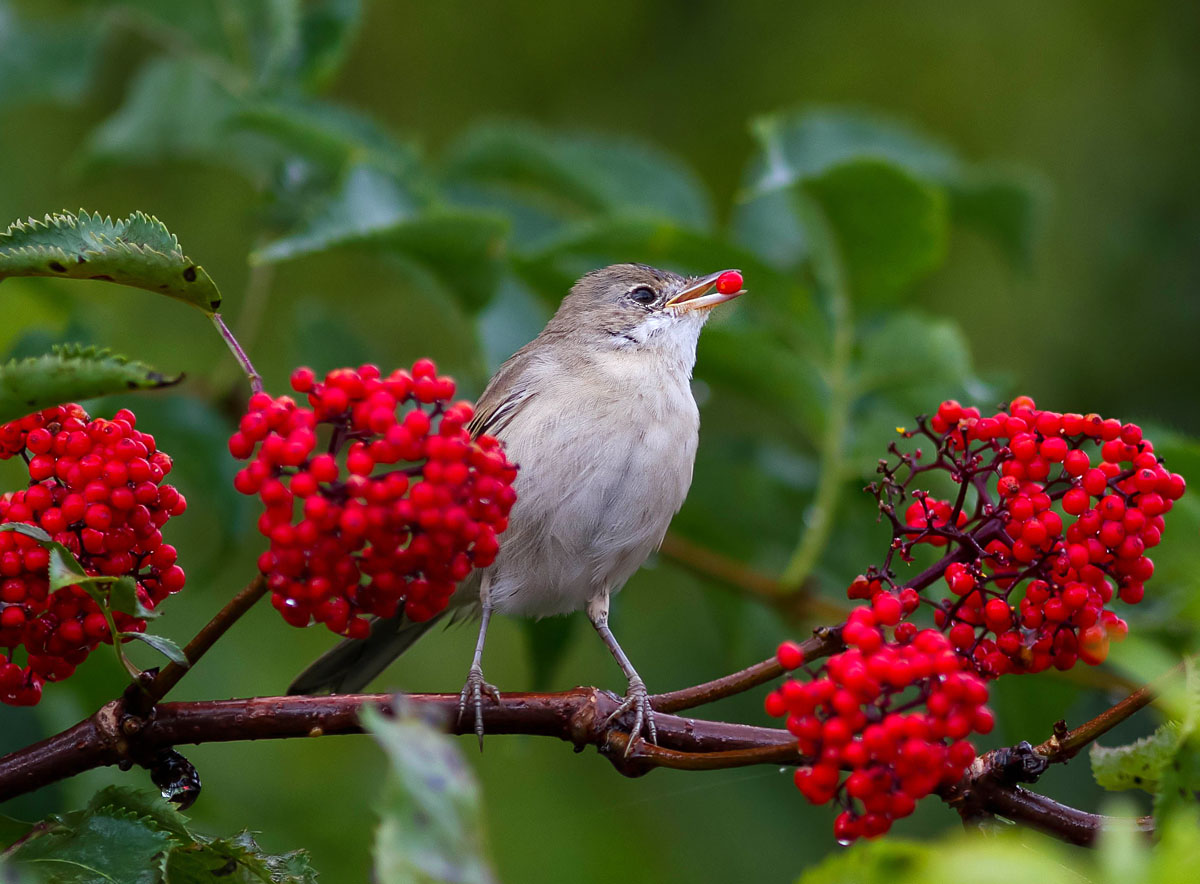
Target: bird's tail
pixel 353 663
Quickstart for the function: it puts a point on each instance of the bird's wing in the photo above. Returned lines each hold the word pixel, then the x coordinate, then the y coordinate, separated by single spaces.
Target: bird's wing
pixel 505 395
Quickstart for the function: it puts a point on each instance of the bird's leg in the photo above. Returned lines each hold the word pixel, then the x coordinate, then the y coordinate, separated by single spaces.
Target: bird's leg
pixel 636 697
pixel 476 687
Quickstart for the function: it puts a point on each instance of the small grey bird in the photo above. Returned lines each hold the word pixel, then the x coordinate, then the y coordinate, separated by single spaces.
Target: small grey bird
pixel 598 413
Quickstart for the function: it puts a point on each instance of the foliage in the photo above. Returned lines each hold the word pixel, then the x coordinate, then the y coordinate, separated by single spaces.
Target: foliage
pixel 430 822
pixel 366 244
pixel 132 836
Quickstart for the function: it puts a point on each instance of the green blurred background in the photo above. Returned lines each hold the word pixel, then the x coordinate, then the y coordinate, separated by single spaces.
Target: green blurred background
pixel 1091 106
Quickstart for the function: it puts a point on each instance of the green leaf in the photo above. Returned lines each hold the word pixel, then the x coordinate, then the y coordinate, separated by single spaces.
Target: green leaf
pixel 327 30
pixel 136 251
pixel 579 175
pixel 37 533
pixel 129 836
pixel 50 61
pixel 65 569
pixel 546 644
pixel 332 135
pixel 372 208
pixel 174 110
pixel 149 806
pixel 10 830
pixel 1007 208
pixel 160 643
pixel 799 145
pixel 890 227
pixel 877 862
pixel 68 374
pixel 237 860
pixel 1137 765
pixel 123 597
pixel 1179 777
pixel 101 845
pixel 431 826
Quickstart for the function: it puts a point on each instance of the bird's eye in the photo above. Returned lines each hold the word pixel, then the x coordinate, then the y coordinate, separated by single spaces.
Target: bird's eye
pixel 643 295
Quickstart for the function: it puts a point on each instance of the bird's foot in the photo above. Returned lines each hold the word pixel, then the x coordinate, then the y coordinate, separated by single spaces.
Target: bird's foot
pixel 637 698
pixel 472 693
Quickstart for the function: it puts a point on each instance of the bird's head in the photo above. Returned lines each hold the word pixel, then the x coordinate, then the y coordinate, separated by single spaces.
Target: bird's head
pixel 634 306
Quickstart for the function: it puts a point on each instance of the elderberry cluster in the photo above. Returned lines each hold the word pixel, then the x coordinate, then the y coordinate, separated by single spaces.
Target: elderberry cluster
pixel 1048 523
pixel 376 497
pixel 1052 522
pixel 95 486
pixel 893 710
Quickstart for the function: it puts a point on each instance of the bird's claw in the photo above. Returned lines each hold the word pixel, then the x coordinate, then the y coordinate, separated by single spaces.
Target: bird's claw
pixel 637 698
pixel 473 691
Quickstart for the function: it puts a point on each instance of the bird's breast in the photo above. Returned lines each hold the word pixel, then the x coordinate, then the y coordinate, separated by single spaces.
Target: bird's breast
pixel 603 468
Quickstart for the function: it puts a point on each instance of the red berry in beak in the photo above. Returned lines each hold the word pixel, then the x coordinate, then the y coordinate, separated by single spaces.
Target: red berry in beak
pixel 729 282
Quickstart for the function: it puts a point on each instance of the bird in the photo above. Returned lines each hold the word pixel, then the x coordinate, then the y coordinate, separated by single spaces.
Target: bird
pixel 598 413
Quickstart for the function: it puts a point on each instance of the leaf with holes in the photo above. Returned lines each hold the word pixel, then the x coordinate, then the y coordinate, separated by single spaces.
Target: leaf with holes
pixel 1136 765
pixel 136 251
pixel 68 374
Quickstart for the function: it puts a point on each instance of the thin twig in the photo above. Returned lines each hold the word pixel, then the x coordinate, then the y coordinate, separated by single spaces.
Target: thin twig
pixel 825 641
pixel 1064 744
pixel 256 384
pixel 170 674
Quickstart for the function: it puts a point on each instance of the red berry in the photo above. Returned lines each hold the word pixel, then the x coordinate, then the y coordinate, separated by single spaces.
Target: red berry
pixel 729 282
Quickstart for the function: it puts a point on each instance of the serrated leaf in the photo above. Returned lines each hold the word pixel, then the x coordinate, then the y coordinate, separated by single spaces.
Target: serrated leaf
pixel 1179 777
pixel 160 643
pixel 149 806
pixel 373 208
pixel 1136 765
pixel 431 825
pixel 37 533
pixel 65 569
pixel 890 227
pixel 123 597
pixel 68 374
pixel 136 251
pixel 237 860
pixel 103 845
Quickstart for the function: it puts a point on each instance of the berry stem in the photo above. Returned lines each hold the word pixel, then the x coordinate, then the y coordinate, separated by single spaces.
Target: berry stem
pixel 170 674
pixel 256 384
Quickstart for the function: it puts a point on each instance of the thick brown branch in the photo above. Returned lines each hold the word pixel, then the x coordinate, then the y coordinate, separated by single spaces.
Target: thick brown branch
pixel 113 736
pixel 991 787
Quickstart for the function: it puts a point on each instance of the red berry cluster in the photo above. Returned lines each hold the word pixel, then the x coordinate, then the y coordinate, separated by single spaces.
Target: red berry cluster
pixel 375 496
pixel 1053 520
pixel 894 712
pixel 96 486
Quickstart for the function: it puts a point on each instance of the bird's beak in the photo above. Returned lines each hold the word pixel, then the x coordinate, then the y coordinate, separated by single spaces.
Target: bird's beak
pixel 696 295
